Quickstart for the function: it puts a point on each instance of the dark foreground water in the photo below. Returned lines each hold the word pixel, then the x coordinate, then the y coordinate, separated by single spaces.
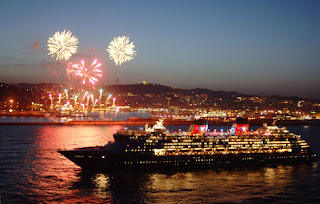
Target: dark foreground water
pixel 32 171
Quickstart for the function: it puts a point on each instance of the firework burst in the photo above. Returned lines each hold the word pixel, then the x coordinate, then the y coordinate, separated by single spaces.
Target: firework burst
pixel 121 50
pixel 71 70
pixel 62 45
pixel 88 74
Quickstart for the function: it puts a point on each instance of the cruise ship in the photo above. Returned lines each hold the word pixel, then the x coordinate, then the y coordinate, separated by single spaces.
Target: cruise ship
pixel 155 147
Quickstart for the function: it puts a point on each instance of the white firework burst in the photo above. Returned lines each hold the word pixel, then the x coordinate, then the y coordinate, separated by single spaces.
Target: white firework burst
pixel 62 45
pixel 121 50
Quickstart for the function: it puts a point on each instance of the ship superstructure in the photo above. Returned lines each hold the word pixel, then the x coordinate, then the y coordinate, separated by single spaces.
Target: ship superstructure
pixel 155 147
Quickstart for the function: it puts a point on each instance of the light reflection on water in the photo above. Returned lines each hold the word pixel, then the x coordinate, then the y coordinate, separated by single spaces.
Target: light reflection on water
pixel 31 170
pixel 53 166
pixel 89 116
pixel 209 186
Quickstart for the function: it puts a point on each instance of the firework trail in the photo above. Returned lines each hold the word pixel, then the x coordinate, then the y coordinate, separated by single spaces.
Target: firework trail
pixel 121 50
pixel 108 98
pixel 62 45
pixel 84 96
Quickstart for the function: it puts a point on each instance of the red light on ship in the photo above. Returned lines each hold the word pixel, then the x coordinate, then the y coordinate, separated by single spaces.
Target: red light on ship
pixel 200 129
pixel 241 128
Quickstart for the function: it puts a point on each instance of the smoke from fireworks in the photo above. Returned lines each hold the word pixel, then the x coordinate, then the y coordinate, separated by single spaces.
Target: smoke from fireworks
pixel 87 73
pixel 62 45
pixel 121 50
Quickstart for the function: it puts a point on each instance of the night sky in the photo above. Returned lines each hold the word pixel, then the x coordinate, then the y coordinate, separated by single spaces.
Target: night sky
pixel 252 47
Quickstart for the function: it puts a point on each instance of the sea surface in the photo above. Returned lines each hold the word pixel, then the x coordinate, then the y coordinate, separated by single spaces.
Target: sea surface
pixel 32 171
pixel 92 116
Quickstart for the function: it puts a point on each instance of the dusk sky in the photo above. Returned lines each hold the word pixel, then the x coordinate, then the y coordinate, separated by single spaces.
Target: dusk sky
pixel 252 47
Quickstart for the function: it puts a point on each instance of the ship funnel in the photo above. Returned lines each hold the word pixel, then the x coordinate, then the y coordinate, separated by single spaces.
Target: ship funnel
pixel 199 127
pixel 240 127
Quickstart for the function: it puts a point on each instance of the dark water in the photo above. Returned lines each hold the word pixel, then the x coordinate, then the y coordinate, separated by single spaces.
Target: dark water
pixel 31 171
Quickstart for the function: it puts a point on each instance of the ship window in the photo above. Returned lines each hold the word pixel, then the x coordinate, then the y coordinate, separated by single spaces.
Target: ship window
pixel 79 156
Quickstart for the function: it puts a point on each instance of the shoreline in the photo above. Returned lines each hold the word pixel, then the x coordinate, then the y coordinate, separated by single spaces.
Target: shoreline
pixel 132 122
pixel 40 115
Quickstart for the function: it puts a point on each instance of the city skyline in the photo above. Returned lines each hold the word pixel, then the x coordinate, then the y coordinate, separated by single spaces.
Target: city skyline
pixel 264 48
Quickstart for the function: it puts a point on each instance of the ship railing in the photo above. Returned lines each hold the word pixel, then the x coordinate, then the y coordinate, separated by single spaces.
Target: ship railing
pixel 173 152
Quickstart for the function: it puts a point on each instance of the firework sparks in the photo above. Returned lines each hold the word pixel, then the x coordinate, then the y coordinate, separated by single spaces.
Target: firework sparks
pixel 62 45
pixel 88 73
pixel 108 98
pixel 95 102
pixel 75 100
pixel 70 70
pixel 100 95
pixel 50 96
pixel 114 102
pixel 84 96
pixel 59 98
pixel 121 50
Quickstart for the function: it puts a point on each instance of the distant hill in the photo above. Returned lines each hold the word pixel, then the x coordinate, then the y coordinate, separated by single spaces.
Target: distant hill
pixel 221 94
pixel 141 89
pixel 150 88
pixel 156 95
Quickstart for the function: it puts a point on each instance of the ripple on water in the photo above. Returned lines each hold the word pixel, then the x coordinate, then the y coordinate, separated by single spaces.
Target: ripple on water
pixel 32 171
